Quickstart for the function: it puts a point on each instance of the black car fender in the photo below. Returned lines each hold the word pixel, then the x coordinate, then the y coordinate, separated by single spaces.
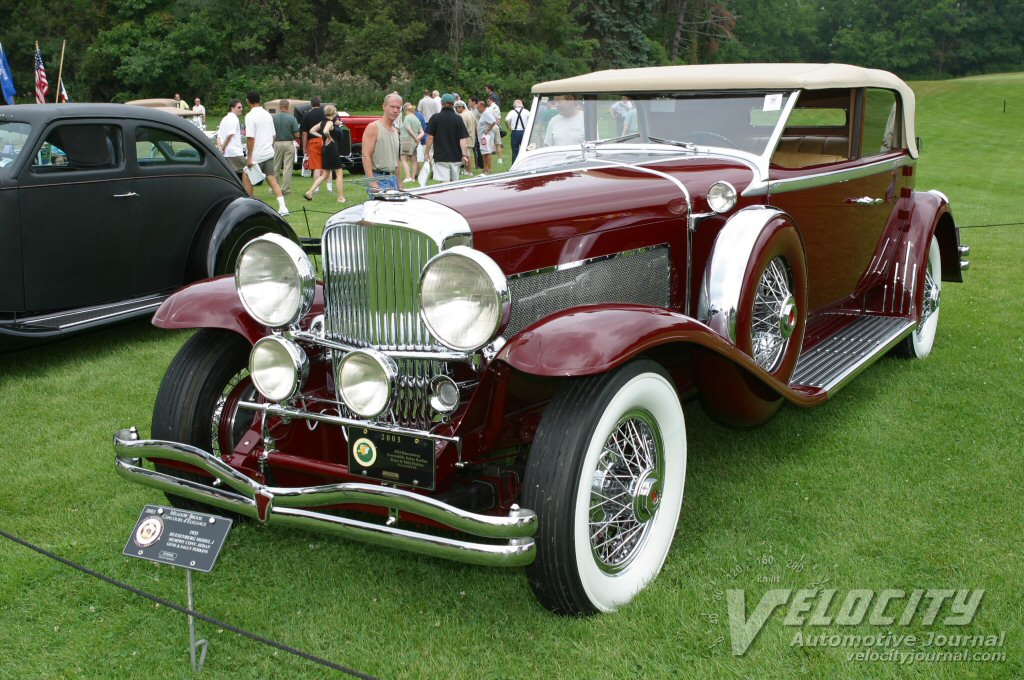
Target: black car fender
pixel 228 226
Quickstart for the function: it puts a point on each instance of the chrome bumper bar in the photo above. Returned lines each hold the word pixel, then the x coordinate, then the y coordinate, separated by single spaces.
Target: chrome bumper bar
pixel 283 506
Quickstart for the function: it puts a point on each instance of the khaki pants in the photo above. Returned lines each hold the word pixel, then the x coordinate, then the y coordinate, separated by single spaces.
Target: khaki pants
pixel 284 159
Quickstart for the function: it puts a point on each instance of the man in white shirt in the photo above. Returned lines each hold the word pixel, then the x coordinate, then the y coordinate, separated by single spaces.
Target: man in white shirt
pixel 201 110
pixel 259 136
pixel 229 136
pixel 428 107
pixel 516 120
pixel 567 127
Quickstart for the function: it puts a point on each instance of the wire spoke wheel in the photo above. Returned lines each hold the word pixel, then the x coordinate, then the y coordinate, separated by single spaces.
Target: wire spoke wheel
pixel 774 315
pixel 605 476
pixel 626 491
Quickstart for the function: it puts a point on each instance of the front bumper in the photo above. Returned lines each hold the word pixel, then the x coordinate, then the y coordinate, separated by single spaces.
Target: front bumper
pixel 282 506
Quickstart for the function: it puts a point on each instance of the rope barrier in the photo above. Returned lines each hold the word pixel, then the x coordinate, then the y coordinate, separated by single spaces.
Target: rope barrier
pixel 184 610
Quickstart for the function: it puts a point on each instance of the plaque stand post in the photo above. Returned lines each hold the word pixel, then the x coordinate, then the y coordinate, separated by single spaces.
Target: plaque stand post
pixel 193 644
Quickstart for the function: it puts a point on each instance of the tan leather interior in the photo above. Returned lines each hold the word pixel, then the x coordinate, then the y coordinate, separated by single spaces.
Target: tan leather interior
pixel 803 151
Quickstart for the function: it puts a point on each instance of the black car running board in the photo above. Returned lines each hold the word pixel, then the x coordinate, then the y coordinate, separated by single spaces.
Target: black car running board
pixel 74 320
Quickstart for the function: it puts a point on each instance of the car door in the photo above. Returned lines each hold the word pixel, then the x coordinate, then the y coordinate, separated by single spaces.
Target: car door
pixel 840 188
pixel 178 182
pixel 76 205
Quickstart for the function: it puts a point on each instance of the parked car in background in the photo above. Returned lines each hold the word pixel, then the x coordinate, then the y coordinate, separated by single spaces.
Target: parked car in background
pixel 352 132
pixel 506 357
pixel 105 209
pixel 168 105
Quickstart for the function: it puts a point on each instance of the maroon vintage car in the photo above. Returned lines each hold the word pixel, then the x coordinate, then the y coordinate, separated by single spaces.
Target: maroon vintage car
pixel 494 369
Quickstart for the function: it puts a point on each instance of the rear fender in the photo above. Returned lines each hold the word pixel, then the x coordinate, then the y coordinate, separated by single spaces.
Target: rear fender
pixel 591 340
pixel 225 227
pixel 932 210
pixel 214 303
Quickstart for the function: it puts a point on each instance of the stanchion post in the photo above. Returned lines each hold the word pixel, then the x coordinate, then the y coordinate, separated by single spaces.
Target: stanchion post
pixel 193 644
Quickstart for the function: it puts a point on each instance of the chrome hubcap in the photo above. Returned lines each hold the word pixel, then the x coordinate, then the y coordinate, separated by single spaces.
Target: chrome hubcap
pixel 774 315
pixel 626 491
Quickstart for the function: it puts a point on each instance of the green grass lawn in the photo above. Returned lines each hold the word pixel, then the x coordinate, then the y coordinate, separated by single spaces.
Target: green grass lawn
pixel 910 478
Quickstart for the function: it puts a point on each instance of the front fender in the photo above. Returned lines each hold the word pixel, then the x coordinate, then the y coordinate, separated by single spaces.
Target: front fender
pixel 591 340
pixel 240 218
pixel 214 303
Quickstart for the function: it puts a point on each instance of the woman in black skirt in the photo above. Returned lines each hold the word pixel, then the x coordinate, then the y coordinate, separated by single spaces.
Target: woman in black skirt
pixel 329 131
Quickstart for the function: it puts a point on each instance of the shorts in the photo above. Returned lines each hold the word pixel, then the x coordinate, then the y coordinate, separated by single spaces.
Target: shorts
pixel 314 152
pixel 236 162
pixel 421 153
pixel 267 167
pixel 408 147
pixel 446 172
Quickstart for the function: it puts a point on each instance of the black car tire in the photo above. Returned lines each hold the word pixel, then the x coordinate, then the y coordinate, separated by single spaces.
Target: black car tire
pixel 197 401
pixel 612 443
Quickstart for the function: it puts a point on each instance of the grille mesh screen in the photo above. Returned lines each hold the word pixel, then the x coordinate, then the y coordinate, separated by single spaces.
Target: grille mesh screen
pixel 635 277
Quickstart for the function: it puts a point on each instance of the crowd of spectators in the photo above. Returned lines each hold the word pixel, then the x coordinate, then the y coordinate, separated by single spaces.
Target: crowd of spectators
pixel 445 134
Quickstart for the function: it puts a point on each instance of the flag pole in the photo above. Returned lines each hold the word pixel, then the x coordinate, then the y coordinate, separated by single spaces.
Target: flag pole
pixel 60 71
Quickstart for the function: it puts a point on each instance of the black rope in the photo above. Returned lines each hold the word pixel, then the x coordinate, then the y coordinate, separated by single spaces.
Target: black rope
pixel 982 226
pixel 185 610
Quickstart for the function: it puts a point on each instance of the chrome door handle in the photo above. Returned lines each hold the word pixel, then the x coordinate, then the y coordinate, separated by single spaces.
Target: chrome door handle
pixel 130 194
pixel 865 200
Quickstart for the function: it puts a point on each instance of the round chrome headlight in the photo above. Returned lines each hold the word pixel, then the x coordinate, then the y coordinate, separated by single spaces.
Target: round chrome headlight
pixel 278 368
pixel 365 379
pixel 464 298
pixel 275 280
pixel 722 197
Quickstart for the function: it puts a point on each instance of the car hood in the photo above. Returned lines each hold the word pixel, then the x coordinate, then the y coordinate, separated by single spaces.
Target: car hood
pixel 583 197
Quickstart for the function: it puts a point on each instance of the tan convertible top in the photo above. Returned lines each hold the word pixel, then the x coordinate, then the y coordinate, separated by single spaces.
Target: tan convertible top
pixel 738 77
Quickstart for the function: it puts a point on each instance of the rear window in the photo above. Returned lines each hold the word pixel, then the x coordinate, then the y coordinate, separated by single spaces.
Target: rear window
pixel 160 147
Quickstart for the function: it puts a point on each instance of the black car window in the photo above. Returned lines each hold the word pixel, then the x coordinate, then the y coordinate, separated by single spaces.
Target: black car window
pixel 12 138
pixel 73 148
pixel 160 147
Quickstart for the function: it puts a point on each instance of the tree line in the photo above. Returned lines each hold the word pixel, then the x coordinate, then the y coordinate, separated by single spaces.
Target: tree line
pixel 354 52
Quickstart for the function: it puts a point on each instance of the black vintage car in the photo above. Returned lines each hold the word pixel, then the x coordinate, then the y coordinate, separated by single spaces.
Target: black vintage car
pixel 105 209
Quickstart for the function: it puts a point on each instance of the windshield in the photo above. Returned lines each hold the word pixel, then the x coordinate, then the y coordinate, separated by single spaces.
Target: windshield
pixel 743 121
pixel 12 141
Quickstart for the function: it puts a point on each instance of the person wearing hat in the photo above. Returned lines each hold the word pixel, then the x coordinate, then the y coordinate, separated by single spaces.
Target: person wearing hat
pixel 447 137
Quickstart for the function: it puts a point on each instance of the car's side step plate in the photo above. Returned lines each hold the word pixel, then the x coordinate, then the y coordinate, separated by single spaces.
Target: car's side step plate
pixel 842 356
pixel 73 319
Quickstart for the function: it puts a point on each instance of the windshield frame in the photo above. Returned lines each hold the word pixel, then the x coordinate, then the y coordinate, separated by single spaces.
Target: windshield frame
pixel 533 155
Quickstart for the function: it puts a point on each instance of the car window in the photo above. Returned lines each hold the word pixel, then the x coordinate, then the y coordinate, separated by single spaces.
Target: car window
pixel 881 123
pixel 12 139
pixel 817 131
pixel 159 147
pixel 79 147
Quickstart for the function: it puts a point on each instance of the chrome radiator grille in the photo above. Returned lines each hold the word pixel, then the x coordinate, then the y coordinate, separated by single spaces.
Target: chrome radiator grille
pixel 371 280
pixel 636 277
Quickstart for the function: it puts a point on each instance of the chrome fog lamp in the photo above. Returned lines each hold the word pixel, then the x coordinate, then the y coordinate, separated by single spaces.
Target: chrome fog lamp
pixel 365 380
pixel 722 197
pixel 275 280
pixel 444 394
pixel 464 298
pixel 278 368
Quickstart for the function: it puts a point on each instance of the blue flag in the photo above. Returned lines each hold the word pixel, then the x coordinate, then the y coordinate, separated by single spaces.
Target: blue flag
pixel 6 81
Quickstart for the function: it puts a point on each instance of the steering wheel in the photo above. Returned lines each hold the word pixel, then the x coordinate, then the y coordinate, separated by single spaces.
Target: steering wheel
pixel 708 133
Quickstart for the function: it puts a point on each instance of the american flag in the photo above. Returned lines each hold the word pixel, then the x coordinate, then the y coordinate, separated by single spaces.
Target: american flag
pixel 42 86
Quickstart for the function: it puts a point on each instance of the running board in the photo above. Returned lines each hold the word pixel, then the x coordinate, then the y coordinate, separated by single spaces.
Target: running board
pixel 839 358
pixel 73 320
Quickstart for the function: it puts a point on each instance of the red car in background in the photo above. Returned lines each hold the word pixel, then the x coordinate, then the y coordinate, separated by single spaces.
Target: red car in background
pixel 505 358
